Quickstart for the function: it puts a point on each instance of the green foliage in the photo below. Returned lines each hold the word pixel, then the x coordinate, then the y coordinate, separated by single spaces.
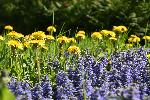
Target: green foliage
pixel 5 93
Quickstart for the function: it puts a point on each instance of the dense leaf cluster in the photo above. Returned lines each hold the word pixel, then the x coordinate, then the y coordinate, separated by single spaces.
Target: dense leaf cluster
pixel 73 14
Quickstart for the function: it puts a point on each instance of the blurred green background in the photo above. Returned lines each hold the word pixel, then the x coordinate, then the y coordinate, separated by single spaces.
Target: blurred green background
pixel 90 15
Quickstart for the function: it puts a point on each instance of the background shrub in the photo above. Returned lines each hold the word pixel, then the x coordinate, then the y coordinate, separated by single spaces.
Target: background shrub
pixel 30 15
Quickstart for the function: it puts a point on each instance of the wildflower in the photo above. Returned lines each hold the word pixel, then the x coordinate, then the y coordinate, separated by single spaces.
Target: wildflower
pixel 28 37
pixel 71 40
pixel 49 37
pixel 8 27
pixel 120 29
pixel 62 39
pixel 113 38
pixel 129 45
pixel 15 44
pixel 81 32
pixel 137 39
pixel 27 44
pixel 130 39
pixel 40 35
pixel 74 49
pixel 14 34
pixel 146 37
pixel 1 38
pixel 134 38
pixel 38 42
pixel 108 33
pixel 96 35
pixel 80 36
pixel 112 34
pixel 65 87
pixel 51 29
pixel 148 56
pixel 104 32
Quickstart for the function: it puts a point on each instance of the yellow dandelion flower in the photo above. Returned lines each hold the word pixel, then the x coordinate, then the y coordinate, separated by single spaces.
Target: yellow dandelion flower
pixel 80 36
pixel 74 49
pixel 112 34
pixel 130 39
pixel 27 44
pixel 81 32
pixel 8 27
pixel 148 56
pixel 1 38
pixel 137 39
pixel 96 35
pixel 51 29
pixel 49 37
pixel 108 33
pixel 40 35
pixel 38 42
pixel 146 37
pixel 14 34
pixel 15 44
pixel 104 32
pixel 133 36
pixel 71 40
pixel 129 45
pixel 27 37
pixel 120 28
pixel 62 39
pixel 113 38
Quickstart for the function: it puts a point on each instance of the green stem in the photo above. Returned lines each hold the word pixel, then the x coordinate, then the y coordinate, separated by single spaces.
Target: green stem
pixel 84 91
pixel 38 63
pixel 145 44
pixel 53 17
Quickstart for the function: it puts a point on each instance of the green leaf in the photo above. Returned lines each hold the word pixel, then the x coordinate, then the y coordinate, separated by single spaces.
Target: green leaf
pixel 5 94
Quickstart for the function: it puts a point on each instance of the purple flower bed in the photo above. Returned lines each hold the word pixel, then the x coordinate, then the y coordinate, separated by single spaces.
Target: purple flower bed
pixel 126 77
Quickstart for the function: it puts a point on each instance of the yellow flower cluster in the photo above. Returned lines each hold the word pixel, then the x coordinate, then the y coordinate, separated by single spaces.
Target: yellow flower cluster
pixel 26 44
pixel 8 27
pixel 39 35
pixel 133 39
pixel 49 37
pixel 38 42
pixel 51 29
pixel 146 37
pixel 62 39
pixel 129 45
pixel 37 39
pixel 80 35
pixel 15 44
pixel 108 33
pixel 15 35
pixel 148 56
pixel 81 32
pixel 1 38
pixel 27 38
pixel 74 49
pixel 96 35
pixel 120 29
pixel 71 40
